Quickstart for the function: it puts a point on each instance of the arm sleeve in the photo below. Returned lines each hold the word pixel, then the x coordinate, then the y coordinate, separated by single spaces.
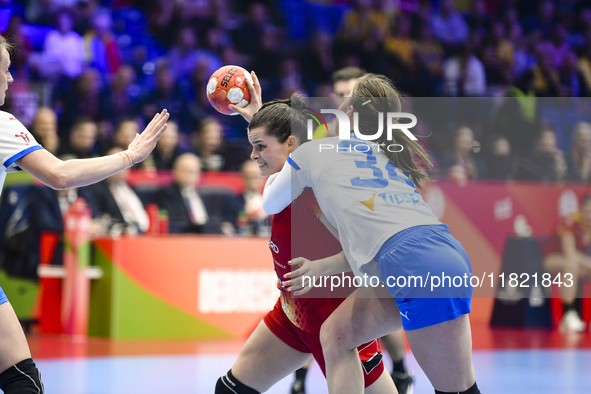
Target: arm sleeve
pixel 281 190
pixel 15 142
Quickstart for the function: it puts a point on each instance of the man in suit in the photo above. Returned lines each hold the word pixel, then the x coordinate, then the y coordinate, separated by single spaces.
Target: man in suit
pixel 186 211
pixel 116 201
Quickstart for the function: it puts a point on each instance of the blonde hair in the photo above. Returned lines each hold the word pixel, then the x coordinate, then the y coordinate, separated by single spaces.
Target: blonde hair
pixel 5 44
pixel 407 160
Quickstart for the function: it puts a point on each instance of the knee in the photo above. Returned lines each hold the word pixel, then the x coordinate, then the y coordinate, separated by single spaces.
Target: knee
pixel 335 338
pixel 228 384
pixel 22 378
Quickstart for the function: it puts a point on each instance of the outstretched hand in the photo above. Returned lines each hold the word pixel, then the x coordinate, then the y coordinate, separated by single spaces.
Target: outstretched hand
pixel 256 99
pixel 143 144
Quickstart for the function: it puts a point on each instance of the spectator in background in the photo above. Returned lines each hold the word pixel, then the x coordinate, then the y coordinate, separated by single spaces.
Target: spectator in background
pixel 501 163
pixel 166 94
pixel 546 76
pixel 186 211
pixel 546 162
pixel 448 25
pixel 479 19
pixel 124 94
pixel 523 59
pixel 167 150
pixel 399 48
pixel 543 21
pixel 571 80
pixel 556 49
pixel 567 252
pixel 266 60
pixel 125 132
pixel 19 59
pixel 463 74
pixel 44 129
pixel 207 142
pixel 183 56
pixel 462 155
pixel 102 49
pixel 117 204
pixel 426 75
pixel 249 35
pixel 361 31
pixel 319 63
pixel 252 219
pixel 498 57
pixel 45 214
pixel 584 66
pixel 290 78
pixel 82 140
pixel 64 52
pixel 579 160
pixel 85 98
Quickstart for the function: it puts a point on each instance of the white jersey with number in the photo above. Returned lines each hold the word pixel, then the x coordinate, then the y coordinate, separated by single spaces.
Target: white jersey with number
pixel 362 194
pixel 15 143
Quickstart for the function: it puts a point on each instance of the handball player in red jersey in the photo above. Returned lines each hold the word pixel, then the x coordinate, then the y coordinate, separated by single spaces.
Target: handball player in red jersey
pixel 289 335
pixel 566 257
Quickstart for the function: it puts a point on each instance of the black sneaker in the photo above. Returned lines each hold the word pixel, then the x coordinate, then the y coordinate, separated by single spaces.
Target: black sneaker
pixel 298 387
pixel 403 381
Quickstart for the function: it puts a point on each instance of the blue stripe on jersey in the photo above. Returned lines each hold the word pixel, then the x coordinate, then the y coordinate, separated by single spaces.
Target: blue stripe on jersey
pixel 21 154
pixel 293 163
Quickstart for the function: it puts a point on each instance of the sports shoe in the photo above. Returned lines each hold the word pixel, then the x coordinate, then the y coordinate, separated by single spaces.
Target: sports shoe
pixel 572 322
pixel 403 381
pixel 298 387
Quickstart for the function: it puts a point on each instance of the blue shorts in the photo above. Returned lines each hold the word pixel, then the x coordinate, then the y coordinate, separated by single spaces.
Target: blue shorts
pixel 425 252
pixel 3 298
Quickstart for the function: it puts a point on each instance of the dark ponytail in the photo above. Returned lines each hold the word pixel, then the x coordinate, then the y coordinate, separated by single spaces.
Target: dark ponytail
pixel 282 118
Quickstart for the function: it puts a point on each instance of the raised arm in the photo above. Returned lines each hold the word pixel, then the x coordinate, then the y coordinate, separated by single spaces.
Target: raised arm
pixel 59 174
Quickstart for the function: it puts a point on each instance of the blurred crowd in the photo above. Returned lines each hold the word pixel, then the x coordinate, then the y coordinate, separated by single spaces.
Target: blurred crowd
pixel 90 73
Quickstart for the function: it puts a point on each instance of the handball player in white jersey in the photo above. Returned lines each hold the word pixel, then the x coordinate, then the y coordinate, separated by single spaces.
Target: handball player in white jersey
pixel 369 195
pixel 20 151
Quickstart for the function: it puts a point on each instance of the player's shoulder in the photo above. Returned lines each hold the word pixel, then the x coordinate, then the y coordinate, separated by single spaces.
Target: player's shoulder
pixel 9 119
pixel 6 116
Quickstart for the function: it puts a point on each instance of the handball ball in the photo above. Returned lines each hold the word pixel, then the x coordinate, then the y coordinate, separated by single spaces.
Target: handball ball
pixel 227 85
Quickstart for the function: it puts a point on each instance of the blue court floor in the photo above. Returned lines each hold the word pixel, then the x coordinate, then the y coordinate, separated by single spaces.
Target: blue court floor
pixel 498 371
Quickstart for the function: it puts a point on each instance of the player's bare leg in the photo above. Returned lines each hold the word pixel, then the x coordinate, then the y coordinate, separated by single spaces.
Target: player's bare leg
pixel 394 345
pixel 384 385
pixel 265 360
pixel 18 373
pixel 579 268
pixel 367 314
pixel 444 352
pixel 13 344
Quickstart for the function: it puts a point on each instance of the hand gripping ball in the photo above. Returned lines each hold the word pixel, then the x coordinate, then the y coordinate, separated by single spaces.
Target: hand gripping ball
pixel 227 85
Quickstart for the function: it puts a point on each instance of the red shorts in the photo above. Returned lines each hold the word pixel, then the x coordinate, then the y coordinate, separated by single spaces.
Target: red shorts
pixel 304 342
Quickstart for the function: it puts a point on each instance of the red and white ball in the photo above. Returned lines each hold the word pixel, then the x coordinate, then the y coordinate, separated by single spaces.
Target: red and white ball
pixel 227 85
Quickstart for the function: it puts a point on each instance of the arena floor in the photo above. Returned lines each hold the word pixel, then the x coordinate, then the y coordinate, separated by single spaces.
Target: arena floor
pixel 507 361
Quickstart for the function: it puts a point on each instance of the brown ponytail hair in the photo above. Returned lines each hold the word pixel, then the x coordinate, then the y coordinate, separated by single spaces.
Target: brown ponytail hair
pixel 379 86
pixel 282 118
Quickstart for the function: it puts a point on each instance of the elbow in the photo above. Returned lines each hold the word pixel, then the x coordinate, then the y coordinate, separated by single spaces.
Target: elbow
pixel 58 180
